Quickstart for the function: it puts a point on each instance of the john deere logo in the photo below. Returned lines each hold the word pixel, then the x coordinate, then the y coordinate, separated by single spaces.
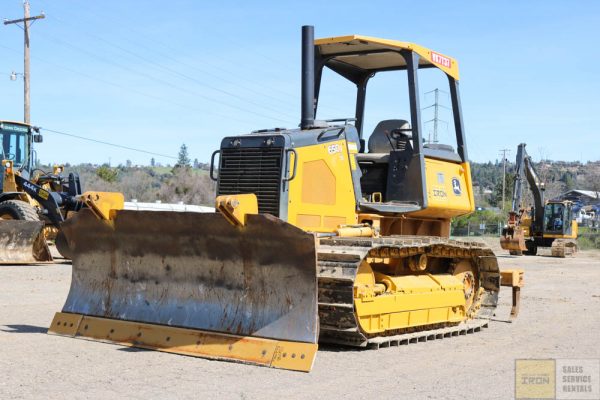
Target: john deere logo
pixel 456 186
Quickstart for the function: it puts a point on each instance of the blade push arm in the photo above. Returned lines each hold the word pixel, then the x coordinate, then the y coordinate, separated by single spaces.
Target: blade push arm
pixel 50 201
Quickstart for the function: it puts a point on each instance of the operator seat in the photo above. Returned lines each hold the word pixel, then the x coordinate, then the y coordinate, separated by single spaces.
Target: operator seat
pixel 381 141
pixel 374 165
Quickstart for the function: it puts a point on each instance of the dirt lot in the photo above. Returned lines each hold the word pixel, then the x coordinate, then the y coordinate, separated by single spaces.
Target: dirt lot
pixel 559 319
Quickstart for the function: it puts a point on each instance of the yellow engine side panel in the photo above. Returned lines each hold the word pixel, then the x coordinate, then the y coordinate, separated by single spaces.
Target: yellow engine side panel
pixel 449 189
pixel 321 196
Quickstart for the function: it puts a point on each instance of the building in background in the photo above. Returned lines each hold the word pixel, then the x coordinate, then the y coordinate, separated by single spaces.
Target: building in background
pixel 586 206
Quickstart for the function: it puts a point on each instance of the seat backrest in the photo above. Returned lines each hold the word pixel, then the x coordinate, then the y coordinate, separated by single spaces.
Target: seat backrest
pixel 379 141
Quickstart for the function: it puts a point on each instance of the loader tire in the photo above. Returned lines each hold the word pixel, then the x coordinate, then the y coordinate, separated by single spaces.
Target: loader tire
pixel 17 209
pixel 62 245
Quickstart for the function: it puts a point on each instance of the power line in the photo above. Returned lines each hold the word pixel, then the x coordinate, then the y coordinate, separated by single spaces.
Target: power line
pixel 245 85
pixel 178 73
pixel 138 92
pixel 166 83
pixel 436 120
pixel 108 143
pixel 172 50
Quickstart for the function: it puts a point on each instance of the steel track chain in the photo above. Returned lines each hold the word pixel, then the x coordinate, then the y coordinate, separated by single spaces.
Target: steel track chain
pixel 338 260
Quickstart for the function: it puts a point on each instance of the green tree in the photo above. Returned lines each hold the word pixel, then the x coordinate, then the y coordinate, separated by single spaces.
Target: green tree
pixel 183 159
pixel 107 173
pixel 568 180
pixel 496 197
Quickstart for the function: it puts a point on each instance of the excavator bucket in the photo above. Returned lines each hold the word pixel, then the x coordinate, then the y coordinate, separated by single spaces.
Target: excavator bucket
pixel 194 284
pixel 23 242
pixel 513 240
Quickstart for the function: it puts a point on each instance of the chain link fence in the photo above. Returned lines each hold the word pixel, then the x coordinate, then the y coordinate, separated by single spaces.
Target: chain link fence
pixel 477 229
pixel 588 238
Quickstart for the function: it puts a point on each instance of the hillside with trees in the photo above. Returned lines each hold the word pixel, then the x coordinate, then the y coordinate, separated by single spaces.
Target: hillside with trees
pixel 187 181
pixel 558 176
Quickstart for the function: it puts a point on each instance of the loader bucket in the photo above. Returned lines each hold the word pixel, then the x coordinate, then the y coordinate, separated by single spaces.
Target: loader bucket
pixel 194 284
pixel 513 240
pixel 22 242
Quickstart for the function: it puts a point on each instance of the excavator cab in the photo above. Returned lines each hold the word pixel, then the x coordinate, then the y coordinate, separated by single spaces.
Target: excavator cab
pixel 558 218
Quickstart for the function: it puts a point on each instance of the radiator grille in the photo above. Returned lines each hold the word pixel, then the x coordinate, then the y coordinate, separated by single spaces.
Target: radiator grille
pixel 253 170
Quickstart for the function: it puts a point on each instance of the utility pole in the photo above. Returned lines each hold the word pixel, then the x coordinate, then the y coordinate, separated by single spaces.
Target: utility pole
pixel 503 152
pixel 27 21
pixel 436 106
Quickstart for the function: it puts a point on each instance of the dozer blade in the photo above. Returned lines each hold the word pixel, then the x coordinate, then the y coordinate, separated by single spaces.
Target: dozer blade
pixel 23 242
pixel 194 284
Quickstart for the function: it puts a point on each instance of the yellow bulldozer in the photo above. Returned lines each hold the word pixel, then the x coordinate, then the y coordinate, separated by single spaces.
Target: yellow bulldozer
pixel 33 202
pixel 319 236
pixel 546 224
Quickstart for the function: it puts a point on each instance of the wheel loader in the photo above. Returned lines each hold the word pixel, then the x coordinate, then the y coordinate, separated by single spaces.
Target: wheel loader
pixel 320 236
pixel 33 202
pixel 545 224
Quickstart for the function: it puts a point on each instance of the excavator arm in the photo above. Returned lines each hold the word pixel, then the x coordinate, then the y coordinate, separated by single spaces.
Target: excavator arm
pixel 513 236
pixel 525 168
pixel 536 187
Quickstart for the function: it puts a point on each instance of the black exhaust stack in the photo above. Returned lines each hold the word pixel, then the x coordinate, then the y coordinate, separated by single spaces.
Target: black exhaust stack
pixel 308 77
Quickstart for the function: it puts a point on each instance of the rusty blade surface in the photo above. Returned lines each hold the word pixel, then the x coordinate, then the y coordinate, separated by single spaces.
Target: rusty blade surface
pixel 22 242
pixel 197 271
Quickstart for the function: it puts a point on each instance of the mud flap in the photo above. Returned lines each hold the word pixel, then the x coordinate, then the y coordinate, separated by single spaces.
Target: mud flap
pixel 195 272
pixel 23 242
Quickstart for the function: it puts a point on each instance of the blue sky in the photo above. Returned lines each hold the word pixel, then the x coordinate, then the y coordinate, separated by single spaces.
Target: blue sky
pixel 153 75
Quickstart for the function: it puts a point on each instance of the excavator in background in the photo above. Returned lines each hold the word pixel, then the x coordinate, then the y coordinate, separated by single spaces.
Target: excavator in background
pixel 33 203
pixel 319 236
pixel 545 224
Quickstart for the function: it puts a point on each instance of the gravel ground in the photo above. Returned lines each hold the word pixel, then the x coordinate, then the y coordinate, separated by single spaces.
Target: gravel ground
pixel 559 315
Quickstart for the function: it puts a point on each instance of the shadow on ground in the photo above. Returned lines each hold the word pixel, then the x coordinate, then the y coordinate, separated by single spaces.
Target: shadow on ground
pixel 24 329
pixel 133 349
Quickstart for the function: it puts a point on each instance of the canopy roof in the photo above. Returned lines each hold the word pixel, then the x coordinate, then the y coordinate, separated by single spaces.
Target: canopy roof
pixel 374 54
pixel 14 122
